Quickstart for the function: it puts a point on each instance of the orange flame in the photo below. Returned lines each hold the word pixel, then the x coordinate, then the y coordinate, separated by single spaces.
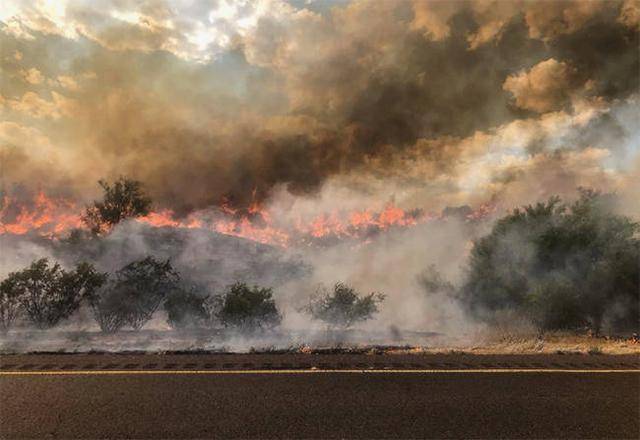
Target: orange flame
pixel 359 223
pixel 165 218
pixel 49 216
pixel 46 216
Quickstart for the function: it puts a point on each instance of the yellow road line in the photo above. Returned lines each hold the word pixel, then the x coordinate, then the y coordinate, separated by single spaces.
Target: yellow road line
pixel 305 371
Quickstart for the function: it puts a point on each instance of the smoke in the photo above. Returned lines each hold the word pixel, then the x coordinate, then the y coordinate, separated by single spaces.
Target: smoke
pixel 419 269
pixel 293 98
pixel 389 263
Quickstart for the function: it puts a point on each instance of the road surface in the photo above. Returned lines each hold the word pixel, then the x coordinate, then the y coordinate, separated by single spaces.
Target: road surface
pixel 327 396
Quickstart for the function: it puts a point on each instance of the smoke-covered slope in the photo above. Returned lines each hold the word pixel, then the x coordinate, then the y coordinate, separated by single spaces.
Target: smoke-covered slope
pixel 201 256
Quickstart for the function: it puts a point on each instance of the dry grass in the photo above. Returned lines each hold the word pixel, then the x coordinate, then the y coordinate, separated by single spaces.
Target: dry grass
pixel 548 343
pixel 560 342
pixel 513 334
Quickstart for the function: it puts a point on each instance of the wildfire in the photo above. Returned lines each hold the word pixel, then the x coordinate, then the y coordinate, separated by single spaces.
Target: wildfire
pixel 359 223
pixel 43 215
pixel 56 216
pixel 165 218
pixel 256 225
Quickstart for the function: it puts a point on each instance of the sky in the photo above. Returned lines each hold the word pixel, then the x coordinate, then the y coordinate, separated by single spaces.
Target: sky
pixel 308 105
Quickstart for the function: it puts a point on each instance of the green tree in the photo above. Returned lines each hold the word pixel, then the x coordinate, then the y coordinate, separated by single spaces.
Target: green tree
pixel 48 293
pixel 186 308
pixel 133 295
pixel 247 308
pixel 123 199
pixel 343 306
pixel 554 303
pixel 9 303
pixel 564 265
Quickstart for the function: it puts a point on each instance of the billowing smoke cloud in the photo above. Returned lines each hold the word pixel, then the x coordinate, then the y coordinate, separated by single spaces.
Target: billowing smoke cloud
pixel 237 101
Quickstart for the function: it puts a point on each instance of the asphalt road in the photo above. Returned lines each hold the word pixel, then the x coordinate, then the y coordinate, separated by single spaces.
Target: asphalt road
pixel 188 402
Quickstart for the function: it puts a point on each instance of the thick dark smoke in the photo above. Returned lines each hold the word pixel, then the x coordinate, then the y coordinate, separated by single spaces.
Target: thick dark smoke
pixel 302 98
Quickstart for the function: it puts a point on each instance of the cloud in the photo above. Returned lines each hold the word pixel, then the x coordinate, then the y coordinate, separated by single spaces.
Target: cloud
pixel 545 20
pixel 14 134
pixel 33 105
pixel 433 17
pixel 197 31
pixel 630 13
pixel 32 76
pixel 550 19
pixel 546 86
pixel 27 152
pixel 66 82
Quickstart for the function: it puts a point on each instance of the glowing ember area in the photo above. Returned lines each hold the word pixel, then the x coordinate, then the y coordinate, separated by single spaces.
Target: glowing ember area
pixel 256 225
pixel 360 223
pixel 165 218
pixel 43 215
pixel 55 217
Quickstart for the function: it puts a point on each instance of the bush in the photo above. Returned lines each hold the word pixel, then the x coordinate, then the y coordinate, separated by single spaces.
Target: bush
pixel 134 294
pixel 9 304
pixel 566 266
pixel 186 308
pixel 555 304
pixel 124 199
pixel 247 308
pixel 343 307
pixel 48 294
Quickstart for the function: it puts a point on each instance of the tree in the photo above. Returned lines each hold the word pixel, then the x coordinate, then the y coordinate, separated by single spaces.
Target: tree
pixel 48 294
pixel 121 200
pixel 134 294
pixel 554 303
pixel 563 265
pixel 9 304
pixel 434 283
pixel 248 308
pixel 344 306
pixel 186 308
